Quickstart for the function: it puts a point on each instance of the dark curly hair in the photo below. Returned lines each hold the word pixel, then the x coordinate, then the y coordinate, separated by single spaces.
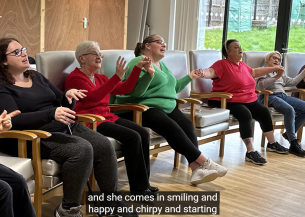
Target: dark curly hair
pixel 5 75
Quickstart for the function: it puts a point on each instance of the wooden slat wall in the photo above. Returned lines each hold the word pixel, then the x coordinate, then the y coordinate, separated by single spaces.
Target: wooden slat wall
pixel 21 20
pixel 107 22
pixel 63 24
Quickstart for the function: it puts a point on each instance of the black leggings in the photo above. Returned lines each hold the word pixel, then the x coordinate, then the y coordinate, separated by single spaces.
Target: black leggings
pixel 15 199
pixel 244 112
pixel 175 127
pixel 135 144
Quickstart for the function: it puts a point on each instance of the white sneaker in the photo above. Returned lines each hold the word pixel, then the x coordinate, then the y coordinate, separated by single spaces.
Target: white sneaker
pixel 211 165
pixel 72 212
pixel 201 175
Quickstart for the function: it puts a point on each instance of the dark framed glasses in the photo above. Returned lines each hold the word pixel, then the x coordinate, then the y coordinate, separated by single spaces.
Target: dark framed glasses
pixel 95 54
pixel 18 52
pixel 159 42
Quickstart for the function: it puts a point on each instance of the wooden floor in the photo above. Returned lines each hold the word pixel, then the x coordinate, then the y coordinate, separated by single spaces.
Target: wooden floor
pixel 276 189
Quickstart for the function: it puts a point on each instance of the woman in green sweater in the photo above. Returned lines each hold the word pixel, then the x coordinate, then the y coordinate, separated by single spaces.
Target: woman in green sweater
pixel 158 90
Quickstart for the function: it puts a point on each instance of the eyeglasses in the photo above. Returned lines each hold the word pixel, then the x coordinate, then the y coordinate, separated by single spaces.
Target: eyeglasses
pixel 100 55
pixel 159 42
pixel 17 52
pixel 275 58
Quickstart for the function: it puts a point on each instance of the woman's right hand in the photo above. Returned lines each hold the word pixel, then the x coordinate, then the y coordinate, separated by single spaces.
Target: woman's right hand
pixel 64 115
pixel 280 70
pixel 120 70
pixel 149 68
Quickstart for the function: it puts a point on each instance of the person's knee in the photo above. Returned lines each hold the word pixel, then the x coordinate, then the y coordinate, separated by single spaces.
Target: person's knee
pixel 83 150
pixel 20 182
pixel 289 110
pixel 6 191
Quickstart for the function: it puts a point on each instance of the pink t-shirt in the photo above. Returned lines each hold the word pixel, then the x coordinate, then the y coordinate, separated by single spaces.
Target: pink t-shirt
pixel 234 79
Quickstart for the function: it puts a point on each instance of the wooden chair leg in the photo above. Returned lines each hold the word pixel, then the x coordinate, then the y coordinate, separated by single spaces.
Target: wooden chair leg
pixel 300 133
pixel 92 180
pixel 263 140
pixel 156 146
pixel 222 144
pixel 176 160
pixel 282 130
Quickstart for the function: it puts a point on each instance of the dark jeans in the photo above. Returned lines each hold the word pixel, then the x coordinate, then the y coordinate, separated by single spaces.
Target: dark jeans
pixel 15 199
pixel 244 113
pixel 135 143
pixel 175 127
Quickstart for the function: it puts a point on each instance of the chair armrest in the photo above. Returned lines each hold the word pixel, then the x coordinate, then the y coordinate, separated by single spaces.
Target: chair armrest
pixel 96 117
pixel 257 91
pixel 84 118
pixel 266 96
pixel 193 101
pixel 132 107
pixel 18 135
pixel 181 101
pixel 40 133
pixel 212 94
pixel 295 90
pixel 266 92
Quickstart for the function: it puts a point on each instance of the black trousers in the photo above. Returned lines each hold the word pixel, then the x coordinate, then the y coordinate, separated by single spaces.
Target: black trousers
pixel 244 113
pixel 175 127
pixel 15 199
pixel 135 143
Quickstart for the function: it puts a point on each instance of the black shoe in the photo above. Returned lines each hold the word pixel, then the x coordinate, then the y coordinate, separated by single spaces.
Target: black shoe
pixel 276 147
pixel 296 149
pixel 255 158
pixel 153 189
pixel 285 136
pixel 146 192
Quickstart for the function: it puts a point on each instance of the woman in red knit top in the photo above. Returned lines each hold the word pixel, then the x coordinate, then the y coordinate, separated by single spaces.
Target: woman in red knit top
pixel 135 139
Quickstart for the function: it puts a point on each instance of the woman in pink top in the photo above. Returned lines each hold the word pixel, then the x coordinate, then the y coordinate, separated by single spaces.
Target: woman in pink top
pixel 235 77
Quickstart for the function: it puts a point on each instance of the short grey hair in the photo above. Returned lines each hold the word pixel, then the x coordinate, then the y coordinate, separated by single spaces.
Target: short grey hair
pixel 84 48
pixel 269 55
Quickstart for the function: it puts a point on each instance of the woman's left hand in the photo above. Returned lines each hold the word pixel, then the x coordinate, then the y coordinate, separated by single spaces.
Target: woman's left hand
pixel 196 74
pixel 75 94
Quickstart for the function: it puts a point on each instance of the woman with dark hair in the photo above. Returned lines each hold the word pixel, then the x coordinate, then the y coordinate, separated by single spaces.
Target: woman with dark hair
pixel 44 107
pixel 292 108
pixel 234 76
pixel 158 89
pixel 15 199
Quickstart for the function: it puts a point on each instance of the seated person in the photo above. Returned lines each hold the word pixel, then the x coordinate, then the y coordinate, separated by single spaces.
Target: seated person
pixel 134 138
pixel 157 88
pixel 15 199
pixel 44 107
pixel 300 85
pixel 292 108
pixel 234 76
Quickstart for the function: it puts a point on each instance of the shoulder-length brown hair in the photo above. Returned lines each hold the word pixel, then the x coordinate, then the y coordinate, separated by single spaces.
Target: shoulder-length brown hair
pixel 5 75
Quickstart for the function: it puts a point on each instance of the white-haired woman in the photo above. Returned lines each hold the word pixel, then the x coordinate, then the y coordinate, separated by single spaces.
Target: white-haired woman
pixel 135 139
pixel 292 108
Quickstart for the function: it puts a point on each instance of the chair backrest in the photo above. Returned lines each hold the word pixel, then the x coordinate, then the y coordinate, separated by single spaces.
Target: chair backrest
pixel 109 61
pixel 56 65
pixel 201 59
pixel 254 59
pixel 293 62
pixel 176 62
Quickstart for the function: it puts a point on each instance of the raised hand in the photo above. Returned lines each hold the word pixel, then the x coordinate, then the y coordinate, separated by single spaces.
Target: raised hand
pixel 5 120
pixel 142 62
pixel 64 115
pixel 75 94
pixel 120 70
pixel 197 73
pixel 149 68
pixel 280 70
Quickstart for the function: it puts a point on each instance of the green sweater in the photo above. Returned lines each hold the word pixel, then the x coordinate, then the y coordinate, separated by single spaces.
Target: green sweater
pixel 159 91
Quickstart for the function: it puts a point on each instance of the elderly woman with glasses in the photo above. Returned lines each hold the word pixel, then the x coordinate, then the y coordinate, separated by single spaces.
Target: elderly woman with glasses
pixel 134 138
pixel 292 108
pixel 158 88
pixel 234 76
pixel 44 107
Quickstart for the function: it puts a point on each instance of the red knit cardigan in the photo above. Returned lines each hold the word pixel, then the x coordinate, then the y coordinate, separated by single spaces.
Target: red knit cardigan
pixel 98 95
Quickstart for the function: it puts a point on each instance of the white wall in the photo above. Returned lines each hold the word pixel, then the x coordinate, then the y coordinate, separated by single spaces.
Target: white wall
pixel 161 19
